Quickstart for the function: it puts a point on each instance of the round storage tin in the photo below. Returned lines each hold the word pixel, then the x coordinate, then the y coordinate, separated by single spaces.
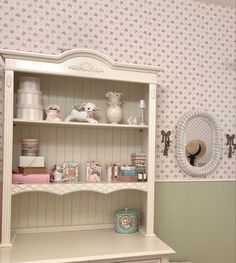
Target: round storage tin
pixel 126 221
pixel 29 112
pixel 29 99
pixel 26 97
pixel 30 83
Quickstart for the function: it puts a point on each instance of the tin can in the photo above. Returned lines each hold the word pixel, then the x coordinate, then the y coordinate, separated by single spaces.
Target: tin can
pixel 126 221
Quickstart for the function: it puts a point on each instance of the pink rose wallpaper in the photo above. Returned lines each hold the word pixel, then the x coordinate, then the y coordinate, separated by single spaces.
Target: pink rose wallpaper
pixel 193 42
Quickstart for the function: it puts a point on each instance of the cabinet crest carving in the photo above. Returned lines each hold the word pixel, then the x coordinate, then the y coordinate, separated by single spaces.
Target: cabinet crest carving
pixel 85 66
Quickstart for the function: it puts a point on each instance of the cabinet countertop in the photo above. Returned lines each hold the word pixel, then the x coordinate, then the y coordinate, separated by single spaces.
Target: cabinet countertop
pixel 80 246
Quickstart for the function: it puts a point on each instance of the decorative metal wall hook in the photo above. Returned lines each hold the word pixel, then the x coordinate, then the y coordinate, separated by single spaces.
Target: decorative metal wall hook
pixel 232 145
pixel 166 139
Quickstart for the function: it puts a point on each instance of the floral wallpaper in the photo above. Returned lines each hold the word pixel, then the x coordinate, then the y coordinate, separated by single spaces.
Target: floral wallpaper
pixel 193 42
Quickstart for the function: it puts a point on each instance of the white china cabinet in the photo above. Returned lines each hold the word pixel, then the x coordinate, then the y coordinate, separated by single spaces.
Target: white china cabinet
pixel 59 216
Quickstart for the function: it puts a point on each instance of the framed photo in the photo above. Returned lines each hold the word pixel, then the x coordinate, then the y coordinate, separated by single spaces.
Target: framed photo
pixel 71 171
pixel 94 171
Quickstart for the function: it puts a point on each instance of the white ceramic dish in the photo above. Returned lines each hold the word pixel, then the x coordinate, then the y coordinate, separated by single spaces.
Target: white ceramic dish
pixel 58 181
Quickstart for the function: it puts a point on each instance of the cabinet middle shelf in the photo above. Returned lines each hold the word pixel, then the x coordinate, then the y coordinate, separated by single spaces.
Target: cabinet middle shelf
pixel 78 124
pixel 62 188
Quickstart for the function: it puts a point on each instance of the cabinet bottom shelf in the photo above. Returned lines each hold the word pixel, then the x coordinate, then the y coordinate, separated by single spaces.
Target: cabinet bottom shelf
pixel 84 246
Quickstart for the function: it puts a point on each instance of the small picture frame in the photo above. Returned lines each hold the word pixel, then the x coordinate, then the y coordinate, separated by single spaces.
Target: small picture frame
pixel 94 171
pixel 71 171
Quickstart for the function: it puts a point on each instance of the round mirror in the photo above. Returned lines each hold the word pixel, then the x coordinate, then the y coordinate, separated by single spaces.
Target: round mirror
pixel 198 143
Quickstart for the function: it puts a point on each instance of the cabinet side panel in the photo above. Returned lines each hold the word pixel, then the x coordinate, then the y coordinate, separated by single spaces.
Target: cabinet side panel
pixel 151 159
pixel 7 157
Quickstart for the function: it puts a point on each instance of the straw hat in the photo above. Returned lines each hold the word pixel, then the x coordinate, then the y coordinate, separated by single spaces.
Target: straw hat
pixel 193 146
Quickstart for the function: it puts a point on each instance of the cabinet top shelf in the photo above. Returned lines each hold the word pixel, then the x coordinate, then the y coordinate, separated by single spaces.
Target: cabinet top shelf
pixel 78 124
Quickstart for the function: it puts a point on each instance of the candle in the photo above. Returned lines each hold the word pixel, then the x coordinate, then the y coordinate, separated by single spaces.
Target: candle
pixel 142 107
pixel 141 104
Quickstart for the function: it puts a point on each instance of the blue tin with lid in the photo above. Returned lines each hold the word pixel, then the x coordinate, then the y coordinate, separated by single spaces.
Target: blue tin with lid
pixel 126 221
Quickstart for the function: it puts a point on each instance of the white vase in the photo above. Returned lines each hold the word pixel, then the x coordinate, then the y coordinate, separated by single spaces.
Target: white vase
pixel 114 113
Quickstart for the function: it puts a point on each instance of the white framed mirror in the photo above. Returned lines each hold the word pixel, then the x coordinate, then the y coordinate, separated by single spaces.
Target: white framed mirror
pixel 198 143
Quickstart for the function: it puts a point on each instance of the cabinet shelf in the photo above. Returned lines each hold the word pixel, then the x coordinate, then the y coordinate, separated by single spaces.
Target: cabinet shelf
pixel 78 124
pixel 62 188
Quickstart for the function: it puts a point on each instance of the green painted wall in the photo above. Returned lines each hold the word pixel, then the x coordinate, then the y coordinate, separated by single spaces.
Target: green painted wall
pixel 197 220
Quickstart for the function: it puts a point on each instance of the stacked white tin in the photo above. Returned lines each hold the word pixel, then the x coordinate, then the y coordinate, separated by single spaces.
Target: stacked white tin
pixel 29 99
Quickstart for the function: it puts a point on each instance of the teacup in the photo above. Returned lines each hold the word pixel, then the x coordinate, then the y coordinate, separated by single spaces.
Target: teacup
pixel 58 176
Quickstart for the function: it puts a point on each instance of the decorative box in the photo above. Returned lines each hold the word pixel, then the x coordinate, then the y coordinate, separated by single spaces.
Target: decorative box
pixel 29 83
pixel 128 170
pixel 138 159
pixel 128 173
pixel 30 147
pixel 32 161
pixel 30 178
pixel 29 112
pixel 126 221
pixel 32 170
pixel 124 178
pixel 138 156
pixel 29 99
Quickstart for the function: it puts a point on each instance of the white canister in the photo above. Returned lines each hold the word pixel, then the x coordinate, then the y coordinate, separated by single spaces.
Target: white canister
pixel 30 83
pixel 29 97
pixel 29 112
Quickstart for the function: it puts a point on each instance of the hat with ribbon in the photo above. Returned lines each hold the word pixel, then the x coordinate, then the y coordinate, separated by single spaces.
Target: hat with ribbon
pixel 196 148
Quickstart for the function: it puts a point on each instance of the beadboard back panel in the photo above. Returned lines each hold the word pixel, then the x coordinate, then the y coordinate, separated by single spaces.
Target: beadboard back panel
pixel 68 144
pixel 59 145
pixel 79 209
pixel 68 91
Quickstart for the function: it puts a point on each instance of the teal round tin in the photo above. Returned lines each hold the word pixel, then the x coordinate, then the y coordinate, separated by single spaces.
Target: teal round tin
pixel 126 221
